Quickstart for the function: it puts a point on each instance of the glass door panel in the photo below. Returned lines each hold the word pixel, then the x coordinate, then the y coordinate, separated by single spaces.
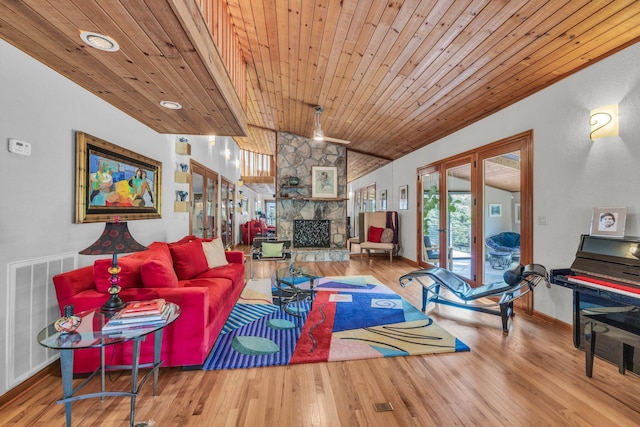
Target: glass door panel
pixel 197 197
pixel 458 220
pixel 210 211
pixel 501 195
pixel 224 213
pixel 204 201
pixel 431 229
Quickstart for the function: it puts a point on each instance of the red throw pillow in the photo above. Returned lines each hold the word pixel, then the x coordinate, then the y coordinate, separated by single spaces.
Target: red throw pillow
pixel 158 273
pixel 185 239
pixel 188 259
pixel 374 234
pixel 129 274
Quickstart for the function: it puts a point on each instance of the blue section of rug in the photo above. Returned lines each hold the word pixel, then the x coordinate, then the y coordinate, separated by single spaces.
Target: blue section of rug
pixel 223 355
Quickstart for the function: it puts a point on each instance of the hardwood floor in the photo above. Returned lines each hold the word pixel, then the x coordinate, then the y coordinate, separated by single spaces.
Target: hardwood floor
pixel 532 376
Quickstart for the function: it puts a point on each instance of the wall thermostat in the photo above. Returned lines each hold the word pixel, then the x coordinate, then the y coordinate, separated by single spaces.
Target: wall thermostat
pixel 19 147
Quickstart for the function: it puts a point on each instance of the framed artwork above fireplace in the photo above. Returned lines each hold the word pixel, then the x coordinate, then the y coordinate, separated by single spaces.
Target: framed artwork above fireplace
pixel 324 182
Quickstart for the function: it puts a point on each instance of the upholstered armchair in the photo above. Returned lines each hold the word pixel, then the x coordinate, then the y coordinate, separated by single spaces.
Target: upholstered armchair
pixel 379 232
pixel 251 229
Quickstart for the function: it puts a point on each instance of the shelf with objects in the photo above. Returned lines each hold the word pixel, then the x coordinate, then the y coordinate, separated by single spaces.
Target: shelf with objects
pixel 182 175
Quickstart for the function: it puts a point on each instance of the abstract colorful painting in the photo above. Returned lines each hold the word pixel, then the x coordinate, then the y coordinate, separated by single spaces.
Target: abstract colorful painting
pixel 112 181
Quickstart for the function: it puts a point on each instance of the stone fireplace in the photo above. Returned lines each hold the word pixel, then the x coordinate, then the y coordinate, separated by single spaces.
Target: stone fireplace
pixel 302 218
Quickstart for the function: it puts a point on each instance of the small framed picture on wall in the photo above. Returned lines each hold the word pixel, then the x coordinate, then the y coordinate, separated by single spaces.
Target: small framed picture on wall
pixel 403 201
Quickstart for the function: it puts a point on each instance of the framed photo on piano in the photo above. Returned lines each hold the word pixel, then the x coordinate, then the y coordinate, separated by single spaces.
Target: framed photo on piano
pixel 608 222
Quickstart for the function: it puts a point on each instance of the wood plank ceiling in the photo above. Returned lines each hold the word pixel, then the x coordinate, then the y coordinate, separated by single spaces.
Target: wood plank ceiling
pixel 392 76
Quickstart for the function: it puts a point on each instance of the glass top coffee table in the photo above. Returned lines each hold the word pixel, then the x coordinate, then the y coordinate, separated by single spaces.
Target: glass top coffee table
pixel 89 335
pixel 293 285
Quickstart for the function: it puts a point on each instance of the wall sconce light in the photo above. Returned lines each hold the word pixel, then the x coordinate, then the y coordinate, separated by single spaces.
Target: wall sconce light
pixel 604 122
pixel 240 184
pixel 212 140
pixel 227 154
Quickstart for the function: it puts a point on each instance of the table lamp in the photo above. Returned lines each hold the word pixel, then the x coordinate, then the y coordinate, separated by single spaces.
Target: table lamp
pixel 115 239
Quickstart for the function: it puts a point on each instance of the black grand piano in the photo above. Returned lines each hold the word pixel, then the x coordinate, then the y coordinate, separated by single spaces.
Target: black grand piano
pixel 605 279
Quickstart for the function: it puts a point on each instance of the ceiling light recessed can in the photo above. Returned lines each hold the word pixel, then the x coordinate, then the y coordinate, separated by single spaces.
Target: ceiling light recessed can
pixel 99 41
pixel 172 105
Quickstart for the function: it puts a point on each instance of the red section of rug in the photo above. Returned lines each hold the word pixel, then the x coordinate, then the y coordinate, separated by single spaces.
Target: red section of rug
pixel 315 340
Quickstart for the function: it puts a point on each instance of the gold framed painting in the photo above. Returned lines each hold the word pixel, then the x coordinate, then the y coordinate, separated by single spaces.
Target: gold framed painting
pixel 112 181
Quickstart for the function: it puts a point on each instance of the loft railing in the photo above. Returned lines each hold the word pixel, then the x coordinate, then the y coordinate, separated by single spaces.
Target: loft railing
pixel 216 15
pixel 255 164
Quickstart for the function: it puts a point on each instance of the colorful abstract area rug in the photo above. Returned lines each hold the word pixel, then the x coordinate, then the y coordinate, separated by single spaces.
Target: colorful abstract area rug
pixel 352 317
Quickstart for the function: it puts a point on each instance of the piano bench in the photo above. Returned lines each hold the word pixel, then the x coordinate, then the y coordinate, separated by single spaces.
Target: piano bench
pixel 629 338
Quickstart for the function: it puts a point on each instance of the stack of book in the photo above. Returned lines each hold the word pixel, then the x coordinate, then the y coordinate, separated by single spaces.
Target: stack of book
pixel 139 314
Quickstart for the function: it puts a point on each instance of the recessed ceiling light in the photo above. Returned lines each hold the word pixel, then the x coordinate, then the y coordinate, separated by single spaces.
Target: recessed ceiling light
pixel 171 105
pixel 99 41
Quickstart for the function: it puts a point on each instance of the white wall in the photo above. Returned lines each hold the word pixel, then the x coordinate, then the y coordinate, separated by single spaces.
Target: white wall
pixel 572 175
pixel 37 192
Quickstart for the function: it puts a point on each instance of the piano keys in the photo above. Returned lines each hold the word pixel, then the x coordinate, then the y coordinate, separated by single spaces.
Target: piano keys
pixel 605 280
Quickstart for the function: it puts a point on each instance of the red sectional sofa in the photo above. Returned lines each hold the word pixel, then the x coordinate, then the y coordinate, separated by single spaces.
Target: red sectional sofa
pixel 179 272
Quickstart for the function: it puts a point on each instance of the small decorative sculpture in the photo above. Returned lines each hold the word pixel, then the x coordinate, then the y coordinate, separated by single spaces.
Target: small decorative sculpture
pixel 184 167
pixel 67 323
pixel 293 180
pixel 183 139
pixel 183 195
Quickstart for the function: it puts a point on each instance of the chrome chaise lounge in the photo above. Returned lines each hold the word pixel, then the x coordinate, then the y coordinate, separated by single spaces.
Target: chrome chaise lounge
pixel 518 281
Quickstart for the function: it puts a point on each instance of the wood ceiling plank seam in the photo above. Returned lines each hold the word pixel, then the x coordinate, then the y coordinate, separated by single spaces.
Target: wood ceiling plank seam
pixel 372 38
pixel 180 67
pixel 322 25
pixel 383 79
pixel 139 61
pixel 188 82
pixel 254 69
pixel 426 76
pixel 510 90
pixel 239 22
pixel 471 98
pixel 300 18
pixel 367 49
pixel 46 41
pixel 270 56
pixel 329 43
pixel 265 60
pixel 386 53
pixel 259 100
pixel 378 20
pixel 554 48
pixel 405 104
pixel 455 80
pixel 305 115
pixel 601 50
pixel 568 58
pixel 548 57
pixel 356 18
pixel 207 70
pixel 190 24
